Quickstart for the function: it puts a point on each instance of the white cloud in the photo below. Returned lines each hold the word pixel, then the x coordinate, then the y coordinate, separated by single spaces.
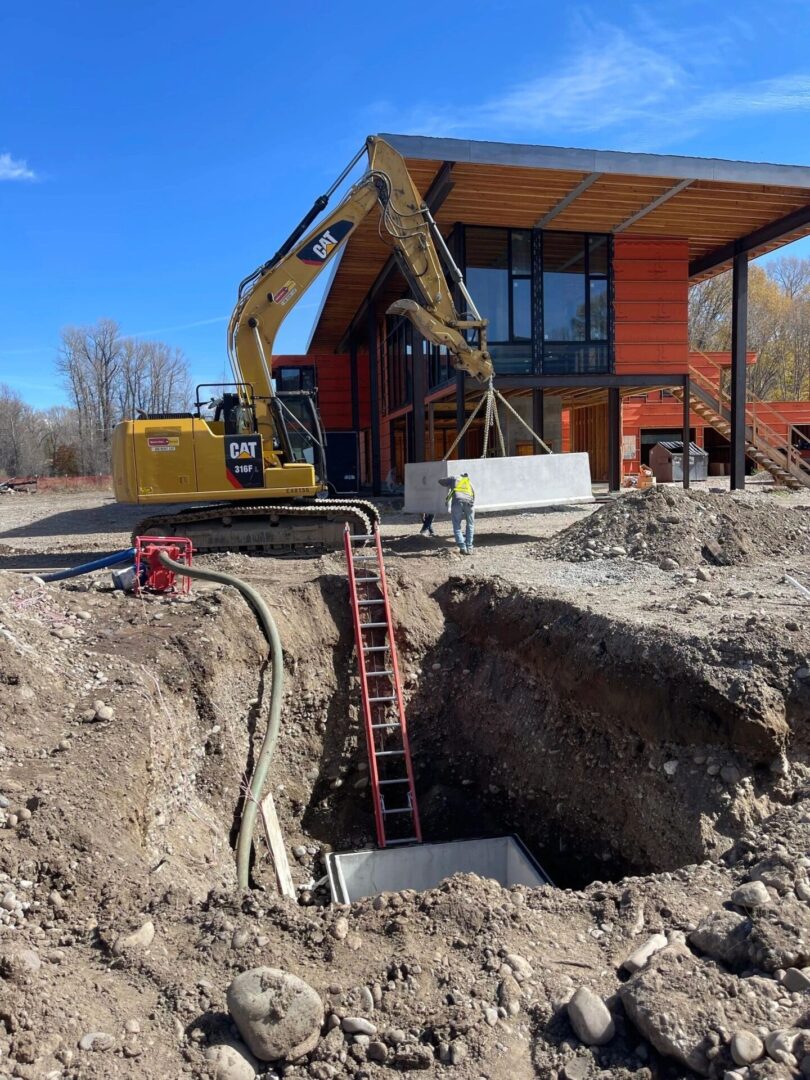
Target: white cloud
pixel 642 87
pixel 14 169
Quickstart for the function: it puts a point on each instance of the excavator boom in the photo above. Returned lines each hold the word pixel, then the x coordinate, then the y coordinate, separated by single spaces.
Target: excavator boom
pixel 263 450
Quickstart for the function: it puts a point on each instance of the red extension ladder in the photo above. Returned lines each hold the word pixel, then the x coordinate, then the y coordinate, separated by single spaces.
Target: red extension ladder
pixel 396 814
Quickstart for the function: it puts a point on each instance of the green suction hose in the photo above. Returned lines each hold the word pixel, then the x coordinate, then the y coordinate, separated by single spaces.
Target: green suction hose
pixel 265 617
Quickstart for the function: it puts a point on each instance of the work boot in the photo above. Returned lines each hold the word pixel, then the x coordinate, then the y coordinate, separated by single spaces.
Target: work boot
pixel 469 551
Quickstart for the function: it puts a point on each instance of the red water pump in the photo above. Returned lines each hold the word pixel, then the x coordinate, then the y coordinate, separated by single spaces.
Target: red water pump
pixel 150 574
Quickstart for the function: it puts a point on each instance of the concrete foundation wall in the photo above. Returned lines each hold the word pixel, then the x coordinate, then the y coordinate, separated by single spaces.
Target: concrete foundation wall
pixel 355 874
pixel 510 483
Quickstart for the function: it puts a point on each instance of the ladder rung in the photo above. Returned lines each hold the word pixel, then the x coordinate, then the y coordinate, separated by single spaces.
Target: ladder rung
pixel 378 674
pixel 362 536
pixel 375 648
pixel 389 753
pixel 372 625
pixel 364 558
pixel 379 727
pixel 403 810
pixel 365 603
pixel 405 840
pixel 404 780
pixel 361 580
pixel 375 700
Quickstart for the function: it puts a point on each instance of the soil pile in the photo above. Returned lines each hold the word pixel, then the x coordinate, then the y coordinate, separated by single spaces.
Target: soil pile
pixel 672 527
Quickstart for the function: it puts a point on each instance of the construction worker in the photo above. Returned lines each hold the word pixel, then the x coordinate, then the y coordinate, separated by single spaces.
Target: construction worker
pixel 461 498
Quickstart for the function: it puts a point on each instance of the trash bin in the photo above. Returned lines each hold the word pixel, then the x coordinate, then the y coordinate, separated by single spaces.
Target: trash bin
pixel 666 462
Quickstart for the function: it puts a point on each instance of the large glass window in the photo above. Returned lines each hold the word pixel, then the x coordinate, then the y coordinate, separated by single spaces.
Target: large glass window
pixel 398 370
pixel 499 276
pixel 575 303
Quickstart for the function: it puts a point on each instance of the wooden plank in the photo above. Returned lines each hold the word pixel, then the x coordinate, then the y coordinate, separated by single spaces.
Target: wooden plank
pixel 275 842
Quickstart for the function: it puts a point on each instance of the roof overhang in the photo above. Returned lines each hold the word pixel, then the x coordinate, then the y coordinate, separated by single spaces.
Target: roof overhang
pixel 721 207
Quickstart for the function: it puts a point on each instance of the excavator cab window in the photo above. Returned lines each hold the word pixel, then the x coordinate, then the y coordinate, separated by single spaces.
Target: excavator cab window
pixel 232 408
pixel 297 413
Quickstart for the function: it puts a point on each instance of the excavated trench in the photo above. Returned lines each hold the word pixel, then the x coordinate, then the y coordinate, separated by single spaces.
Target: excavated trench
pixel 610 750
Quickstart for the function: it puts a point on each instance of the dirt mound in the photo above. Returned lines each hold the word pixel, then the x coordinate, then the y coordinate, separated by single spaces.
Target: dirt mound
pixel 670 525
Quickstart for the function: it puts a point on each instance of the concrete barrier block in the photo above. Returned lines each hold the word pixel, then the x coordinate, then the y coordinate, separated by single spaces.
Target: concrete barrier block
pixel 508 483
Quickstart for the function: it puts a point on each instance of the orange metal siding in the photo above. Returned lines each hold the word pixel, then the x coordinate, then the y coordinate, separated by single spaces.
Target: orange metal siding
pixel 651 305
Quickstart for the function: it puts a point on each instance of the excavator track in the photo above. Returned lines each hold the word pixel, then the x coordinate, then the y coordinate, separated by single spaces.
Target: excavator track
pixel 260 528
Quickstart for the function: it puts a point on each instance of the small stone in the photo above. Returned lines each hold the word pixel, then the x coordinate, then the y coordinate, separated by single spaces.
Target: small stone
pixel 795 980
pixel 240 938
pixel 753 894
pixel 780 1042
pixel 491 1016
pixel 730 774
pixel 792 625
pixel 590 1018
pixel 132 1027
pixel 366 999
pixel 671 767
pixel 577 1069
pixel 141 938
pixel 638 959
pixel 231 1061
pixel 376 1051
pixel 458 1052
pixel 103 712
pixel 299 851
pixel 803 890
pixel 341 928
pixel 96 1040
pixel 746 1048
pixel 668 564
pixel 277 1014
pixel 357 1025
pixel 702 574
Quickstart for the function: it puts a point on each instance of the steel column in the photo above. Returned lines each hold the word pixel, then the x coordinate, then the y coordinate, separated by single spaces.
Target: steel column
pixel 461 413
pixel 418 390
pixel 687 391
pixel 739 342
pixel 538 418
pixel 374 393
pixel 355 384
pixel 614 439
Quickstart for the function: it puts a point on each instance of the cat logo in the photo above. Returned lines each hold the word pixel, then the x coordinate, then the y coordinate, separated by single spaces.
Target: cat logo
pixel 243 451
pixel 318 251
pixel 287 291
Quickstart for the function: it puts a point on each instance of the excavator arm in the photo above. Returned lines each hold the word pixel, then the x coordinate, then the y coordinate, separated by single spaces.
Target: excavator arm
pixel 268 295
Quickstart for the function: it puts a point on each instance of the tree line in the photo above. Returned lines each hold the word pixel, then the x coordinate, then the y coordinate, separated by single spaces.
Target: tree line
pixel 778 325
pixel 107 376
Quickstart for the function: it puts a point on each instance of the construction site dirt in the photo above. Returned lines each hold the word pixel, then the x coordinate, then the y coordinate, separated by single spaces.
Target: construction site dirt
pixel 624 686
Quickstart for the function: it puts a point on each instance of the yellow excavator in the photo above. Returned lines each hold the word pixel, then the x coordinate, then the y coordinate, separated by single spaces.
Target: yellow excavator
pixel 251 459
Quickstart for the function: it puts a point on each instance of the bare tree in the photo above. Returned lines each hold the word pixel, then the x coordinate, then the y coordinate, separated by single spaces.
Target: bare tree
pixel 110 377
pixel 90 361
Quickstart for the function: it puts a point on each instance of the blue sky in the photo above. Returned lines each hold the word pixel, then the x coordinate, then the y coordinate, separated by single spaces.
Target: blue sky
pixel 152 154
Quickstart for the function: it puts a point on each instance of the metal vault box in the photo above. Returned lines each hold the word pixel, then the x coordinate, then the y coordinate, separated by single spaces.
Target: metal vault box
pixel 354 874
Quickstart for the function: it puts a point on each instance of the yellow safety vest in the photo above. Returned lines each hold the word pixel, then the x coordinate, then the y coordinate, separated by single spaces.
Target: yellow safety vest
pixel 463 486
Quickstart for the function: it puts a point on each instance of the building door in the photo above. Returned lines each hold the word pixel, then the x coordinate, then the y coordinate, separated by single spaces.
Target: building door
pixel 343 462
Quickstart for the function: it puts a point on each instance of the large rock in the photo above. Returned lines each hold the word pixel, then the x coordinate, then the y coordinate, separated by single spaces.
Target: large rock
pixel 278 1015
pixel 678 1002
pixel 780 936
pixel 590 1018
pixel 723 935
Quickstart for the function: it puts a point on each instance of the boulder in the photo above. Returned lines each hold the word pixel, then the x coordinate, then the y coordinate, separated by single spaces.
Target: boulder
pixel 277 1014
pixel 723 935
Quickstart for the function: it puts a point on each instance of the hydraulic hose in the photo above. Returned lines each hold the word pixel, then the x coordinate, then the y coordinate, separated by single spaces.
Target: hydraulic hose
pixel 88 567
pixel 253 798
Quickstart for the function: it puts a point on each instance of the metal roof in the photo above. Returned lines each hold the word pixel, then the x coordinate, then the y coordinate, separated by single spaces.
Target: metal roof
pixel 718 206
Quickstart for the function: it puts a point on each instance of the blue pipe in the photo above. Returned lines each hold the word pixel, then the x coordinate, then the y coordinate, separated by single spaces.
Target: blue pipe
pixel 88 567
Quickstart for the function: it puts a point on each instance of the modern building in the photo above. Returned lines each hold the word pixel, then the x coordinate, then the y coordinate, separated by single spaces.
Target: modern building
pixel 582 261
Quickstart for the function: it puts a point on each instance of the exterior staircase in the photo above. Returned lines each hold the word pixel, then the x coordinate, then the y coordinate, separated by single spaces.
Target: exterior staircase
pixel 771 441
